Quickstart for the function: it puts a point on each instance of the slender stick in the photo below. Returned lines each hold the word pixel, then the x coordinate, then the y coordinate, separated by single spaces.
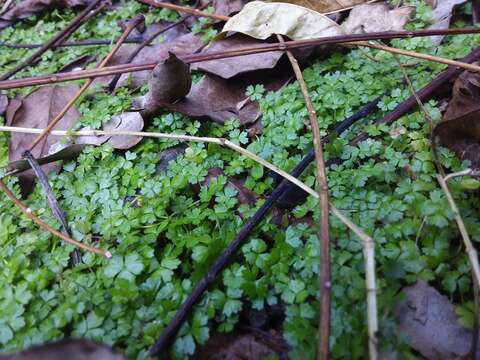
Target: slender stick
pixel 184 9
pixel 466 172
pixel 92 42
pixel 324 234
pixel 472 253
pixel 255 49
pixel 62 35
pixel 52 201
pixel 181 315
pixel 131 25
pixel 369 254
pixel 28 213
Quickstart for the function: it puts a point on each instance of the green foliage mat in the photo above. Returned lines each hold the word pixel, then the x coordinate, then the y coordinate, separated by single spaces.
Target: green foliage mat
pixel 165 229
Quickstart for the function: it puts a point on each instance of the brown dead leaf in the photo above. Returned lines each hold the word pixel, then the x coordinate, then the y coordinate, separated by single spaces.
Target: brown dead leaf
pixel 229 67
pixel 73 349
pixel 128 121
pixel 245 345
pixel 459 129
pixel 183 45
pixel 430 322
pixel 169 81
pixel 77 64
pixel 324 6
pixel 376 17
pixel 221 100
pixel 169 155
pixel 36 110
pixel 3 104
pixel 27 8
pixel 441 14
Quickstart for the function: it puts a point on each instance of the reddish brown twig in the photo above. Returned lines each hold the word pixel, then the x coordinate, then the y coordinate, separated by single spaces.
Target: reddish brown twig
pixel 54 41
pixel 193 58
pixel 131 25
pixel 324 234
pixel 184 9
pixel 92 42
pixel 28 213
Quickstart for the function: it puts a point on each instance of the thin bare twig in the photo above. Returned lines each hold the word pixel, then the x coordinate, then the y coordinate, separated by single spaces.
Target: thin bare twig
pixel 28 213
pixel 131 25
pixel 58 38
pixel 52 201
pixel 92 42
pixel 256 49
pixel 324 234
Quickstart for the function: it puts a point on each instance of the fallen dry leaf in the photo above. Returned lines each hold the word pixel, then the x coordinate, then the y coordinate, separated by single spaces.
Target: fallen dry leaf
pixel 459 129
pixel 376 17
pixel 221 100
pixel 77 64
pixel 27 8
pixel 128 121
pixel 183 45
pixel 324 6
pixel 441 14
pixel 229 67
pixel 431 325
pixel 36 110
pixel 169 81
pixel 73 349
pixel 3 104
pixel 261 20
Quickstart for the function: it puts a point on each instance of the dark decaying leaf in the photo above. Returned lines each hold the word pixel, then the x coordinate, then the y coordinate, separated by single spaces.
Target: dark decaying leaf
pixel 220 100
pixel 431 324
pixel 169 81
pixel 169 155
pixel 36 110
pixel 247 345
pixel 3 104
pixel 182 45
pixel 229 67
pixel 72 349
pixel 459 129
pixel 27 8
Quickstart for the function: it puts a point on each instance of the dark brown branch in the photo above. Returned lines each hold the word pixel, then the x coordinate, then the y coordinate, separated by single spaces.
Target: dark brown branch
pixel 57 39
pixel 191 11
pixel 52 201
pixel 182 313
pixel 193 58
pixel 92 42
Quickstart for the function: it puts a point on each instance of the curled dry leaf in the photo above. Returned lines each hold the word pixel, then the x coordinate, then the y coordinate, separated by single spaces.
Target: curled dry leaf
pixel 324 6
pixel 36 110
pixel 221 100
pixel 229 67
pixel 182 45
pixel 376 17
pixel 441 14
pixel 431 324
pixel 169 81
pixel 262 20
pixel 27 8
pixel 3 104
pixel 459 129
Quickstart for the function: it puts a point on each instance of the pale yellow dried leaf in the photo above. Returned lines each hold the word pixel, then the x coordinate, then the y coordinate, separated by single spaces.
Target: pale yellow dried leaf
pixel 376 17
pixel 261 20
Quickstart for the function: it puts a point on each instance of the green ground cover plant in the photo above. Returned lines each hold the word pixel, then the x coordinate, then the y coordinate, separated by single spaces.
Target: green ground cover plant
pixel 166 227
